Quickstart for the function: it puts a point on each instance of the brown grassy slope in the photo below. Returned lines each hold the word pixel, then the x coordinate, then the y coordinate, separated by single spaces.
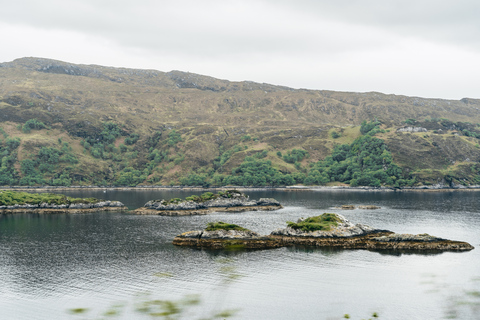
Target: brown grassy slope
pixel 73 94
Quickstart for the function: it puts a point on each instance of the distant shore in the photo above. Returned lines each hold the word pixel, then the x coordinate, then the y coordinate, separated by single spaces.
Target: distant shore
pixel 436 188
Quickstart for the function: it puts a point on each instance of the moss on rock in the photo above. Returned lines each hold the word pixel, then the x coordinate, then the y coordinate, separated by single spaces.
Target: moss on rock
pixel 322 222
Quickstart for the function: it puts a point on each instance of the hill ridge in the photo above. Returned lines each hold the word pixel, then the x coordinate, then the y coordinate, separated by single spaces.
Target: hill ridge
pixel 46 64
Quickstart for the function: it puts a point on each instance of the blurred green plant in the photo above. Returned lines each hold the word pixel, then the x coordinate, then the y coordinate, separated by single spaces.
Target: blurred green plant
pixel 144 305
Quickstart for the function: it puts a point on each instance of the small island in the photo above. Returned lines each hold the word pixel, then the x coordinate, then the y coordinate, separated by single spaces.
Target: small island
pixel 326 230
pixel 334 230
pixel 227 201
pixel 24 202
pixel 221 235
pixel 352 207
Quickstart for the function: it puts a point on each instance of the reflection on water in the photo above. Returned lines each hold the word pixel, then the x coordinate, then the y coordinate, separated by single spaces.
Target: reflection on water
pixel 409 251
pixel 324 251
pixel 332 251
pixel 51 263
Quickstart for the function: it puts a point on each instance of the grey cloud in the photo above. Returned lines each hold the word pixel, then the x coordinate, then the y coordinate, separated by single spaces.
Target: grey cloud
pixel 349 45
pixel 248 23
pixel 445 21
pixel 198 28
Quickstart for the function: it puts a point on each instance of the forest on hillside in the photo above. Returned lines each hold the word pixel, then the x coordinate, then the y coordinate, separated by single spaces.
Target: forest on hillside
pixel 135 160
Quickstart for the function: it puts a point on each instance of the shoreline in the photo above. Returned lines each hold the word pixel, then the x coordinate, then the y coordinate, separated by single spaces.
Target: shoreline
pixel 63 210
pixel 244 188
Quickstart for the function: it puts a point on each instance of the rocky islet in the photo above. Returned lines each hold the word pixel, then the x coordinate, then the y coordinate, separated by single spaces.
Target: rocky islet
pixel 228 201
pixel 342 234
pixel 64 208
pixel 23 202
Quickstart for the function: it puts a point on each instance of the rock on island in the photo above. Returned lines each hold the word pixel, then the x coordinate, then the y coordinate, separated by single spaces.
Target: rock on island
pixel 221 235
pixel 227 201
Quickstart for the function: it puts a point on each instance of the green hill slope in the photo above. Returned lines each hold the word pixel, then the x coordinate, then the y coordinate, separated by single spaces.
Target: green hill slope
pixel 68 124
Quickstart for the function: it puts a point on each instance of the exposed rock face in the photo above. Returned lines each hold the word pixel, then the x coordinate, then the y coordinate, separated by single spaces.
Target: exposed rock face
pixel 62 208
pixel 221 234
pixel 185 205
pixel 395 237
pixel 238 202
pixel 412 129
pixel 223 239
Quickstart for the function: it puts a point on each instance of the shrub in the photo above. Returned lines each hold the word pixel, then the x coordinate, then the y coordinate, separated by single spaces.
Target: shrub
pixel 253 171
pixel 173 138
pixel 335 135
pixel 132 139
pixel 225 156
pixel 5 135
pixel 410 121
pixel 261 155
pixel 123 148
pixel 32 124
pixel 130 177
pixel 208 196
pixel 368 126
pixel 295 155
pixel 194 198
pixel 194 179
pixel 13 144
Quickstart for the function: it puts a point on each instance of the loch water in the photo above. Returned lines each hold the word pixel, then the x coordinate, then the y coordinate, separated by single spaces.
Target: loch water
pixel 105 261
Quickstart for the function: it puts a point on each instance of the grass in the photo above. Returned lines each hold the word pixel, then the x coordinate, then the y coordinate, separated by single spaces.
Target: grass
pixel 347 135
pixel 8 198
pixel 214 226
pixel 323 222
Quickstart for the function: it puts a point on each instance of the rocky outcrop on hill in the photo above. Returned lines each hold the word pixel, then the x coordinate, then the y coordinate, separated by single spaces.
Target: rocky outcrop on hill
pixel 231 201
pixel 64 208
pixel 412 129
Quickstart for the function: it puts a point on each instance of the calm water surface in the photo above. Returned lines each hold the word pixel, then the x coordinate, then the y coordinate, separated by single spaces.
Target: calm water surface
pixel 52 263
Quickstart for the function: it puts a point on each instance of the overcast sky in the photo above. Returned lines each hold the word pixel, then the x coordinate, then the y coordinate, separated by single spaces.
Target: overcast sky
pixel 426 48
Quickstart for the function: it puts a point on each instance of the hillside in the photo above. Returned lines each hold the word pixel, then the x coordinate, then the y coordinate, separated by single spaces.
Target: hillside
pixel 65 124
